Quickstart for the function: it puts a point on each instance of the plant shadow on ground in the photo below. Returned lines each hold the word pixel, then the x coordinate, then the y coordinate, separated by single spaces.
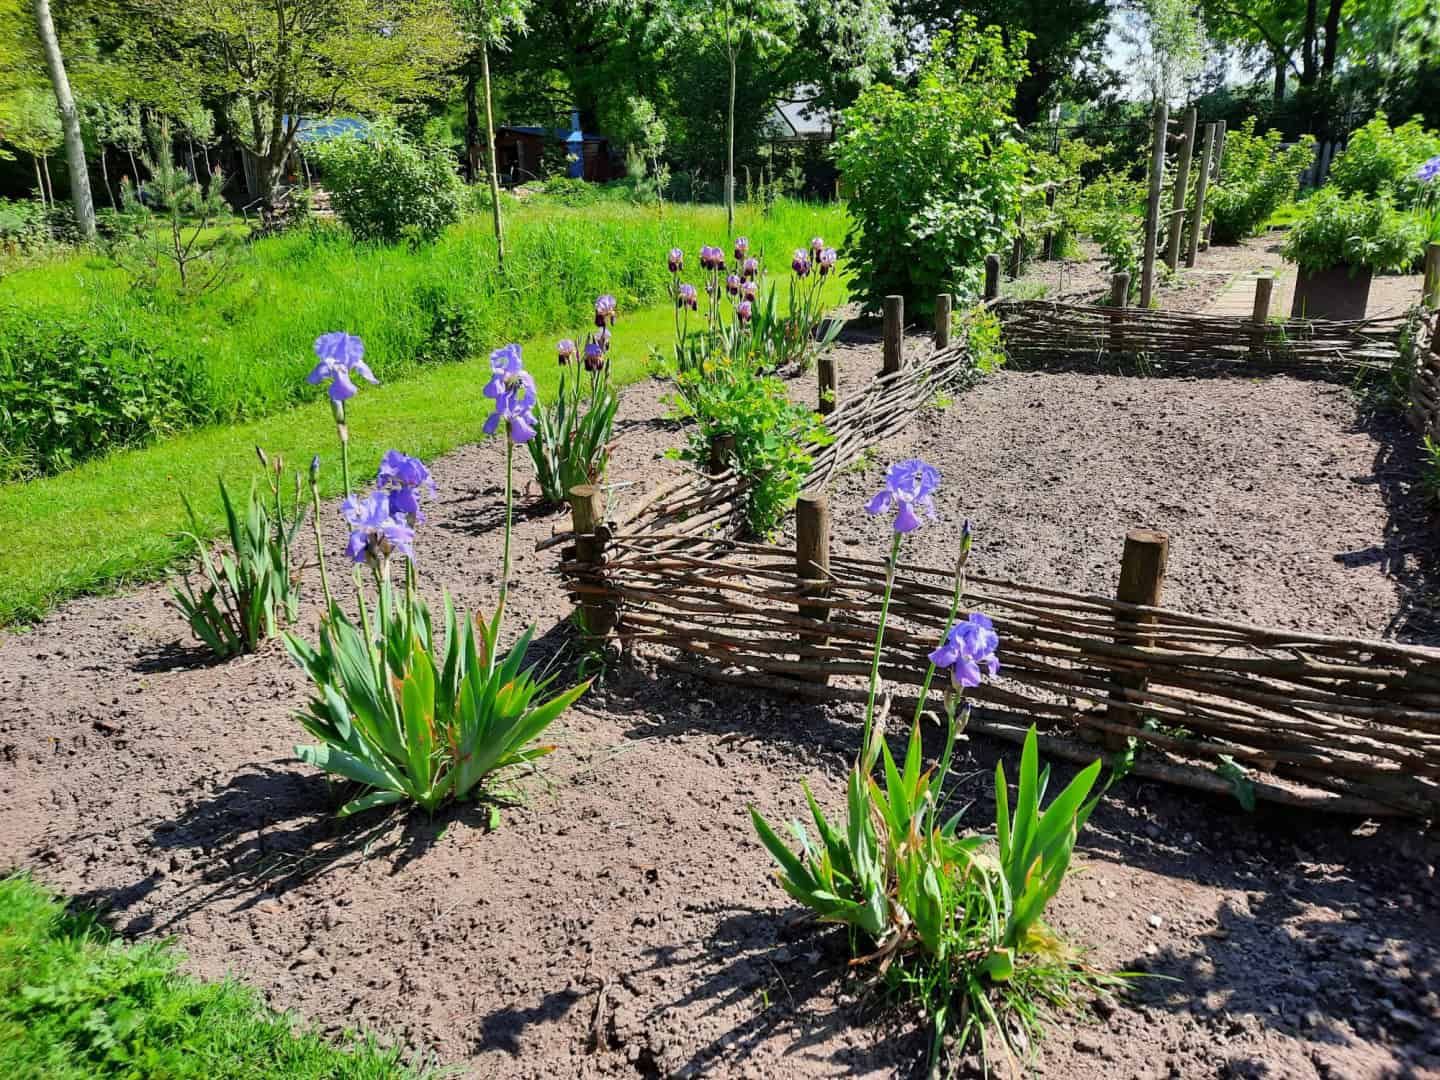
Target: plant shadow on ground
pixel 479 512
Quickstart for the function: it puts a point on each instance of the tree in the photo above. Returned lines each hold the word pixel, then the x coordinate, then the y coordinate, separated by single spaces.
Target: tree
pixel 280 60
pixel 31 124
pixel 1168 42
pixel 69 121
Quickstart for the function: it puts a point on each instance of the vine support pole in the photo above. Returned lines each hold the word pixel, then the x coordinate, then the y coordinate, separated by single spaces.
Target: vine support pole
pixel 1048 251
pixel 1017 247
pixel 1142 581
pixel 1197 219
pixel 812 567
pixel 1432 277
pixel 825 373
pixel 894 332
pixel 1152 205
pixel 1182 189
pixel 599 614
pixel 992 277
pixel 722 449
pixel 942 321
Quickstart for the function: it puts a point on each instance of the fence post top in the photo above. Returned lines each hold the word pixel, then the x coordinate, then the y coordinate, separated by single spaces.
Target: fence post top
pixel 812 498
pixel 1147 536
pixel 584 491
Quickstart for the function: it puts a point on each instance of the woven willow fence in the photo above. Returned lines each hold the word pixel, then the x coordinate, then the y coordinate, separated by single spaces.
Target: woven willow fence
pixel 1424 411
pixel 1313 720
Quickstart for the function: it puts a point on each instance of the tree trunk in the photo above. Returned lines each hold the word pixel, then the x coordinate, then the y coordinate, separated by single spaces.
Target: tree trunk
pixel 39 181
pixel 69 121
pixel 472 126
pixel 494 166
pixel 49 184
pixel 730 155
pixel 105 177
pixel 1282 68
pixel 1332 40
pixel 1307 45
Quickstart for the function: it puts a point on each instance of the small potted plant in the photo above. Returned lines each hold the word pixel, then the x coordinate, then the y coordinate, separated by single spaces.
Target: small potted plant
pixel 1338 244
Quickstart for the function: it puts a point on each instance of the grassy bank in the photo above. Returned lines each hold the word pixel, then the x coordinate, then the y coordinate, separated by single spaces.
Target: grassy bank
pixel 76 1004
pixel 115 521
pixel 240 352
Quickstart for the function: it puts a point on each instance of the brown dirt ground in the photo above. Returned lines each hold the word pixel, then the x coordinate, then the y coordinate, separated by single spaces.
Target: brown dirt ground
pixel 622 919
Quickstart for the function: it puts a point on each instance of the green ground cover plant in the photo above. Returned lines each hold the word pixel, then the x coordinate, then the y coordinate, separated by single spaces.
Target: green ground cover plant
pixel 76 1003
pixel 240 350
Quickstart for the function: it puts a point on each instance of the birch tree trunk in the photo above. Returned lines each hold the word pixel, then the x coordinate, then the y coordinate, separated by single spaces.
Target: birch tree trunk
pixel 69 121
pixel 494 168
pixel 730 155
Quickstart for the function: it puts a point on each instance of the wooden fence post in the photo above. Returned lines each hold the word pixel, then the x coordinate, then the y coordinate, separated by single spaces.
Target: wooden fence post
pixel 722 449
pixel 1197 216
pixel 1048 252
pixel 1182 189
pixel 825 371
pixel 812 566
pixel 942 321
pixel 1152 205
pixel 1260 314
pixel 1017 247
pixel 1219 151
pixel 1119 298
pixel 1432 277
pixel 587 517
pixel 894 335
pixel 1142 582
pixel 992 277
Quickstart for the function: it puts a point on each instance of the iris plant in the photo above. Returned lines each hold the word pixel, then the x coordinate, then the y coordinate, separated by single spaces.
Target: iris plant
pixel 341 356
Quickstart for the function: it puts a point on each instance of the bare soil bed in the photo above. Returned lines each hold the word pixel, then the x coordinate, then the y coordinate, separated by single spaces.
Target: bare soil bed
pixel 622 919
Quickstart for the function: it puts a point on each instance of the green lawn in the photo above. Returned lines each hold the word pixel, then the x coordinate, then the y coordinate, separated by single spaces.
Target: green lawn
pixel 76 1004
pixel 115 521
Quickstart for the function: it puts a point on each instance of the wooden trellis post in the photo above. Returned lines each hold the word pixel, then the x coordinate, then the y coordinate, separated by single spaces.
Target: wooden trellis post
pixel 1197 217
pixel 722 449
pixel 1432 277
pixel 942 321
pixel 894 332
pixel 1260 314
pixel 1182 189
pixel 1142 581
pixel 1219 150
pixel 825 372
pixel 1017 247
pixel 1119 299
pixel 587 517
pixel 992 277
pixel 812 567
pixel 1152 205
pixel 1048 252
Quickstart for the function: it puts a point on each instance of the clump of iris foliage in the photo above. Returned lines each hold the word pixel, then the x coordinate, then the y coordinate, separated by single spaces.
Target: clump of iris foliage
pixel 75 1004
pixel 572 436
pixel 89 365
pixel 949 919
pixel 408 713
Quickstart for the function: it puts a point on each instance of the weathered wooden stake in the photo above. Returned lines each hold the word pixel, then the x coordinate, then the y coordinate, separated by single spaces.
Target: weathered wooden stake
pixel 942 321
pixel 1017 247
pixel 825 370
pixel 1182 188
pixel 1432 278
pixel 1119 298
pixel 894 334
pixel 812 565
pixel 1260 315
pixel 1197 215
pixel 992 277
pixel 1048 252
pixel 1219 151
pixel 587 517
pixel 1142 581
pixel 722 449
pixel 1152 205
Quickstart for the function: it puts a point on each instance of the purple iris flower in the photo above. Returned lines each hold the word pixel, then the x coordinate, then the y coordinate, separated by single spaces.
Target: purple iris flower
pixel 750 268
pixel 566 350
pixel 751 291
pixel 969 646
pixel 1429 171
pixel 686 296
pixel 742 246
pixel 908 485
pixel 375 532
pixel 712 258
pixel 801 262
pixel 403 477
pixel 594 356
pixel 817 245
pixel 341 355
pixel 513 391
pixel 744 310
pixel 732 285
pixel 827 260
pixel 605 310
pixel 676 261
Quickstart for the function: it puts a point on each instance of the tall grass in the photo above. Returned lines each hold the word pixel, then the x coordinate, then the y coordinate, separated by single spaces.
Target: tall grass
pixel 250 340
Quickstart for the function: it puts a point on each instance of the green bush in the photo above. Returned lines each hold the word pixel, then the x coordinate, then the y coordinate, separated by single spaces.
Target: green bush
pixel 1353 231
pixel 1259 177
pixel 934 173
pixel 385 187
pixel 571 191
pixel 23 226
pixel 71 389
pixel 1379 158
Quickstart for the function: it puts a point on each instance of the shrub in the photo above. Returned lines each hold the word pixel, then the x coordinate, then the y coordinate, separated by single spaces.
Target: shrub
pixel 951 920
pixel 934 173
pixel 1353 231
pixel 24 226
pixel 571 191
pixel 725 397
pixel 1379 158
pixel 385 187
pixel 1259 177
pixel 72 388
pixel 250 589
